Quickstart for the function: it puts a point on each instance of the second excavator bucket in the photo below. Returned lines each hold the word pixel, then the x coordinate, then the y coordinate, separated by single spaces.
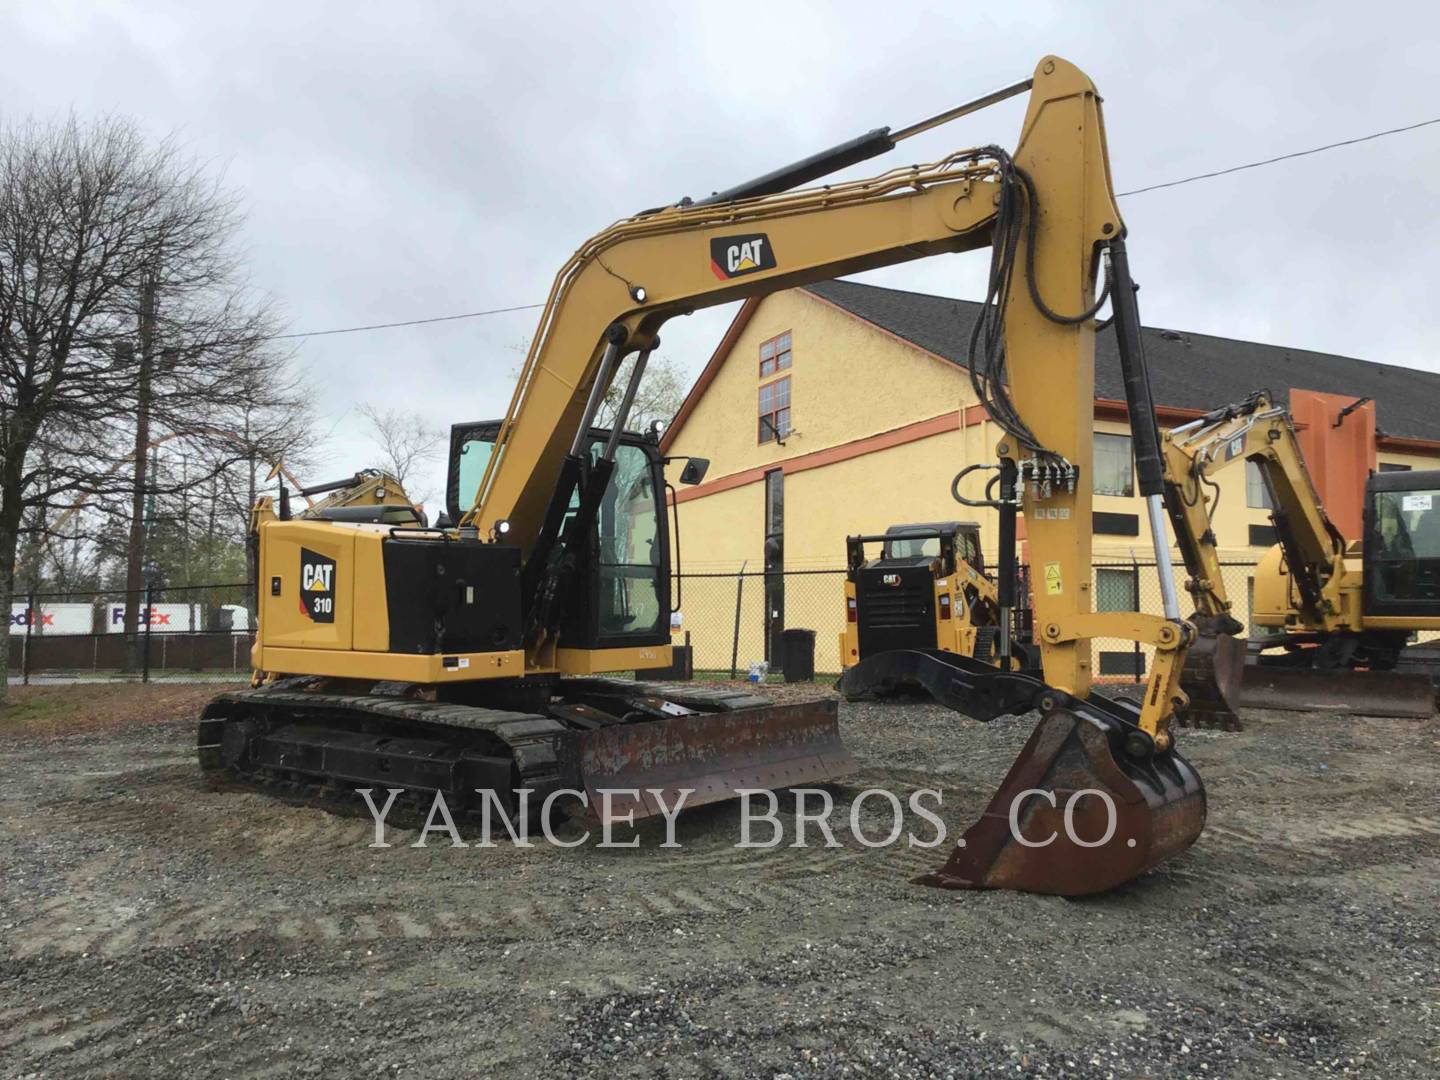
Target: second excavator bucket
pixel 1077 813
pixel 713 756
pixel 1212 677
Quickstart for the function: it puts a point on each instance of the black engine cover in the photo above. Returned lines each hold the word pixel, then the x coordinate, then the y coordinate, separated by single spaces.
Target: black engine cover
pixel 452 596
pixel 896 601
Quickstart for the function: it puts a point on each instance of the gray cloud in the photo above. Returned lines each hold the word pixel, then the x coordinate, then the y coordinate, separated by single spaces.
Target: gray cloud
pixel 410 160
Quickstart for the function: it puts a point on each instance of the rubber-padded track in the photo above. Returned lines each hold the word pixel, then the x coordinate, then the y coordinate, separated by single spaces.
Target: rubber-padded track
pixel 535 743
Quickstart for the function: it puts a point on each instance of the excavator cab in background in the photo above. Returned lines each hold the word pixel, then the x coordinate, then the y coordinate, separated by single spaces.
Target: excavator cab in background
pixel 921 608
pixel 1402 555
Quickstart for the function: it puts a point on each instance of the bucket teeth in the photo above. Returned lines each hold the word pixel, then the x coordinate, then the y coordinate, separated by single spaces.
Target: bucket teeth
pixel 1076 815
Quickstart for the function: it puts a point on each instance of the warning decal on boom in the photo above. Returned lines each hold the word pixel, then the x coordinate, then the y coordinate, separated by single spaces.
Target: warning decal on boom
pixel 1053 586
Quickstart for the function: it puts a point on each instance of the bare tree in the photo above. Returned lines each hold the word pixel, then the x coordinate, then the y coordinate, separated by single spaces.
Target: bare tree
pixel 120 311
pixel 402 441
pixel 662 389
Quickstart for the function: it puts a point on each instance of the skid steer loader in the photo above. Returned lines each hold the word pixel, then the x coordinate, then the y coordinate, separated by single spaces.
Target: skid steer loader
pixel 925 600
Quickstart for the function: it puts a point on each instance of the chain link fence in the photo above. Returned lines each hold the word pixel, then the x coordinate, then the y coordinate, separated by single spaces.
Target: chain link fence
pixel 184 632
pixel 733 622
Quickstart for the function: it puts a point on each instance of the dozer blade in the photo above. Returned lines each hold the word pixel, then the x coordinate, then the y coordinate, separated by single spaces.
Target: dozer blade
pixel 1076 754
pixel 1212 677
pixel 714 755
pixel 1363 693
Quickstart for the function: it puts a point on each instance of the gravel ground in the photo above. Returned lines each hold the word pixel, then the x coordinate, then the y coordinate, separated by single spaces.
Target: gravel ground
pixel 151 925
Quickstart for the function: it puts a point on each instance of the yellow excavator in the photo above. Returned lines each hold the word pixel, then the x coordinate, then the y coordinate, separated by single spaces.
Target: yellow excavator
pixel 1341 612
pixel 473 658
pixel 923 601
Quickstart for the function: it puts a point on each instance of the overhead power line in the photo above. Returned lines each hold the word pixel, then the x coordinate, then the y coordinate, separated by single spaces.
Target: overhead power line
pixel 404 322
pixel 1282 157
pixel 1121 195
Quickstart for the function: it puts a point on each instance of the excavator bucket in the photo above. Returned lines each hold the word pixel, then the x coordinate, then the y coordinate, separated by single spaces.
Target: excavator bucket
pixel 1212 678
pixel 713 756
pixel 1360 693
pixel 1077 814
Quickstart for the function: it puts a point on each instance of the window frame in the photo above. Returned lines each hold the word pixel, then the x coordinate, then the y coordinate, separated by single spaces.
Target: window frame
pixel 1255 482
pixel 1129 491
pixel 776 353
pixel 1131 576
pixel 776 431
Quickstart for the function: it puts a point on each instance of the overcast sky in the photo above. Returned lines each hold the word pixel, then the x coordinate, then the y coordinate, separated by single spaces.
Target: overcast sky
pixel 409 160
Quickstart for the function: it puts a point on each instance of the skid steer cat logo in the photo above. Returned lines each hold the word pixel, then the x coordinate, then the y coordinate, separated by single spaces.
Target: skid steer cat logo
pixel 736 256
pixel 317 587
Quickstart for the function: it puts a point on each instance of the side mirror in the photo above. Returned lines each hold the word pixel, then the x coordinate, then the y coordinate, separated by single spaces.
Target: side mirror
pixel 694 471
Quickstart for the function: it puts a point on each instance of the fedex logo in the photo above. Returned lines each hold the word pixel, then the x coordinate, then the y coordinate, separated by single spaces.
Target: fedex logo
pixel 28 618
pixel 147 617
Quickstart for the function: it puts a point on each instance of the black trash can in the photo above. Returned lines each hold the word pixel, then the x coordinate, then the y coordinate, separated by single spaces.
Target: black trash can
pixel 798 658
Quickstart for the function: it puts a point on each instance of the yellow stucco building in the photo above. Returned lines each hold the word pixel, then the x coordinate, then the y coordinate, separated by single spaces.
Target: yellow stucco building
pixel 844 408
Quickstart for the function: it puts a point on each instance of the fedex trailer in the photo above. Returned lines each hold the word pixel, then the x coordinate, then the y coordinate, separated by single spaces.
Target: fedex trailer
pixel 52 619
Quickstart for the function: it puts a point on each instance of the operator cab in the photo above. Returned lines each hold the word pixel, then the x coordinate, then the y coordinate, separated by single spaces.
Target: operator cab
pixel 623 598
pixel 927 541
pixel 1402 544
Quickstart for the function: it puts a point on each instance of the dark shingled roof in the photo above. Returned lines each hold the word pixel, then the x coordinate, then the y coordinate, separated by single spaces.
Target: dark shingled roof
pixel 1188 371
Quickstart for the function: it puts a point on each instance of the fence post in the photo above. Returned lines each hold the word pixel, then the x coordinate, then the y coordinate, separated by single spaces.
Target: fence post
pixel 25 648
pixel 1135 569
pixel 149 622
pixel 735 643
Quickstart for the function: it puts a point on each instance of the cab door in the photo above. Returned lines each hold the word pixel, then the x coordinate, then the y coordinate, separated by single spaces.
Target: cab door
pixel 1402 544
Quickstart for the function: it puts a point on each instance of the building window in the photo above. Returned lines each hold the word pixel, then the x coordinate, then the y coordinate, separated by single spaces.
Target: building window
pixel 775 410
pixel 1116 524
pixel 1263 536
pixel 1114 465
pixel 774 564
pixel 1257 495
pixel 1393 466
pixel 774 355
pixel 1117 589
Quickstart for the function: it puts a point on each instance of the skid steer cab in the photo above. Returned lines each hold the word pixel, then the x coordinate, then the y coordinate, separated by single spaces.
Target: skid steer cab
pixel 924 605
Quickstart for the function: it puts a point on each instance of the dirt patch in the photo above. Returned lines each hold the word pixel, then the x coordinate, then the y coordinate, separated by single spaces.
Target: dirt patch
pixel 101 707
pixel 151 924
